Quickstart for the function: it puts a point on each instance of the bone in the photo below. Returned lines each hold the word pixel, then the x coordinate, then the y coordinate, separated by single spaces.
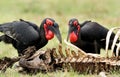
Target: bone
pixel 55 55
pixel 108 38
pixel 67 50
pixel 117 50
pixel 47 56
pixel 60 51
pixel 115 40
pixel 81 53
pixel 74 54
pixel 94 55
pixel 69 44
pixel 37 53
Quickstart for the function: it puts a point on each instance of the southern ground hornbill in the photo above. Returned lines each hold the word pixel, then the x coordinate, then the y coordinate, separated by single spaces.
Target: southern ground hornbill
pixel 22 34
pixel 89 36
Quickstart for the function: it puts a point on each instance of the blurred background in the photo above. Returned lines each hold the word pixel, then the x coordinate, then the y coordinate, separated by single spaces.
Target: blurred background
pixel 105 12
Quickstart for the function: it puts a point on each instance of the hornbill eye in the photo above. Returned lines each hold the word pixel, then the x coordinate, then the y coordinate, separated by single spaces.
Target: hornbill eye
pixel 75 23
pixel 49 22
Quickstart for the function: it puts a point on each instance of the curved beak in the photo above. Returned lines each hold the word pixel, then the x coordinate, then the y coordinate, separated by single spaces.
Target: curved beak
pixel 56 31
pixel 69 31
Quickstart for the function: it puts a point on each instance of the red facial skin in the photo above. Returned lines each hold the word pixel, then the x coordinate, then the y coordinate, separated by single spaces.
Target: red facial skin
pixel 49 22
pixel 73 35
pixel 75 23
pixel 48 33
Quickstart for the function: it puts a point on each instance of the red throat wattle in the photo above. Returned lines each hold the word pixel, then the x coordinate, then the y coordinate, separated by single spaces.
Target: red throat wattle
pixel 48 34
pixel 73 37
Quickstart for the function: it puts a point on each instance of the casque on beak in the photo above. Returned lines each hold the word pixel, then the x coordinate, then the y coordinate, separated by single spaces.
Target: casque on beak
pixel 56 31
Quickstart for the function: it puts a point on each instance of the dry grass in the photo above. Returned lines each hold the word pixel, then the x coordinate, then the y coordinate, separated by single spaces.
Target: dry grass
pixel 105 12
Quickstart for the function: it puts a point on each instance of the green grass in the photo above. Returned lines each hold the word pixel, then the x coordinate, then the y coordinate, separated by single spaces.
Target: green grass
pixel 105 12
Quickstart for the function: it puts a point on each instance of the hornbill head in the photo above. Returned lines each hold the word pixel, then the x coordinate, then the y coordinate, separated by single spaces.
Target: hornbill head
pixel 51 28
pixel 74 29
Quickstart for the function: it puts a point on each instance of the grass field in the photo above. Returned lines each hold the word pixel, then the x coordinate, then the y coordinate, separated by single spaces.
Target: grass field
pixel 105 12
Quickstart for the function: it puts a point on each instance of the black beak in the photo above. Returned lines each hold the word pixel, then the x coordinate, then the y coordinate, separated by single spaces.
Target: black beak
pixel 56 31
pixel 69 31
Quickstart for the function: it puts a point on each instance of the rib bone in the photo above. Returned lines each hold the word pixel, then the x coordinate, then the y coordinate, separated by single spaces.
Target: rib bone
pixel 69 44
pixel 117 50
pixel 115 40
pixel 108 38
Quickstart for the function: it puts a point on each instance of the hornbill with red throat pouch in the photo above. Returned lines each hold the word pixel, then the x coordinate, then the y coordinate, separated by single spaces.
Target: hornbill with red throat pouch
pixel 22 34
pixel 89 36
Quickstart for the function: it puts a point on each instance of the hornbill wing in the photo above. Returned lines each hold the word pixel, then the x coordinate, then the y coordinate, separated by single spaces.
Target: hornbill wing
pixel 31 24
pixel 93 31
pixel 20 31
pixel 85 22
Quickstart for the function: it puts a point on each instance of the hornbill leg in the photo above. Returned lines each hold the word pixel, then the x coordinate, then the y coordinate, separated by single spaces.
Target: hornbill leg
pixel 97 49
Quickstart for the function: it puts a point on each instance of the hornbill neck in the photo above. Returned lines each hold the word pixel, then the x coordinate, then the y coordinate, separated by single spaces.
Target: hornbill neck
pixel 79 36
pixel 42 41
pixel 42 33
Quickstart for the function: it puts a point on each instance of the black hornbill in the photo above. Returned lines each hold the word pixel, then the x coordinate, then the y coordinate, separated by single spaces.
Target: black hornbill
pixel 22 34
pixel 89 36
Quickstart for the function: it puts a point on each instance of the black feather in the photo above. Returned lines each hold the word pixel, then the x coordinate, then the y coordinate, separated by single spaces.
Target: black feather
pixel 92 37
pixel 22 34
